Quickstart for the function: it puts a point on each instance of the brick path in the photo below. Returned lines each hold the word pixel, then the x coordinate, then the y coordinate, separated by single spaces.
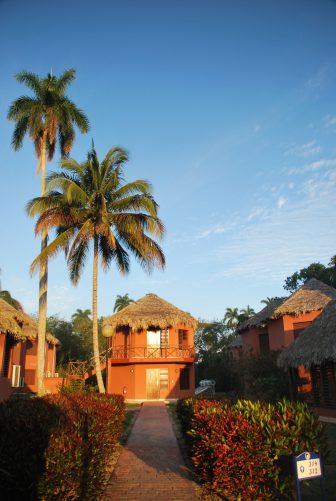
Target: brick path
pixel 150 466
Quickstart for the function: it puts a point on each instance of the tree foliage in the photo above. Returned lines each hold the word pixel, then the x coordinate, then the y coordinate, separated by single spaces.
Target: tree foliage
pixel 90 204
pixel 326 274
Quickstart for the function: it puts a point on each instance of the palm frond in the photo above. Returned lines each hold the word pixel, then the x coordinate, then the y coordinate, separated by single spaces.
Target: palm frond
pixel 77 261
pixel 52 249
pixel 31 80
pixel 65 79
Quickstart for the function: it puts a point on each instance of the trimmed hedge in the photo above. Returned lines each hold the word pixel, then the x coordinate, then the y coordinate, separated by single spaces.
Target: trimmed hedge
pixel 243 451
pixel 57 447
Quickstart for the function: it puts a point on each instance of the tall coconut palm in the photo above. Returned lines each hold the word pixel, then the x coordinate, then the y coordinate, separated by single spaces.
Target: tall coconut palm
pixel 91 203
pixel 231 317
pixel 122 301
pixel 46 116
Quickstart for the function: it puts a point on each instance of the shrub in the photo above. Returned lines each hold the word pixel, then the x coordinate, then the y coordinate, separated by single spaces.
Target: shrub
pixel 57 447
pixel 238 449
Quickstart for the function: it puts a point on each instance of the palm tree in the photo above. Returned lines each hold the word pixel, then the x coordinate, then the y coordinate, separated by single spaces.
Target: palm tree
pixel 268 300
pixel 245 313
pixel 121 302
pixel 91 203
pixel 231 317
pixel 46 116
pixel 81 316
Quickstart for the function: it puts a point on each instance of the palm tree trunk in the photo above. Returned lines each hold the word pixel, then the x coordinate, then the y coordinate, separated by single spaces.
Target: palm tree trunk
pixel 95 318
pixel 43 286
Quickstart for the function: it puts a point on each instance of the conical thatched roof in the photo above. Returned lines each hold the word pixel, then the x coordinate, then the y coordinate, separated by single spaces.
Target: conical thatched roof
pixel 316 344
pixel 260 319
pixel 11 320
pixel 19 325
pixel 312 296
pixel 148 311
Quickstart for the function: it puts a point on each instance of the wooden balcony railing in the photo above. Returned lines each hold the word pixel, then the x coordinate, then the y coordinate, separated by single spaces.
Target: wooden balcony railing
pixel 120 352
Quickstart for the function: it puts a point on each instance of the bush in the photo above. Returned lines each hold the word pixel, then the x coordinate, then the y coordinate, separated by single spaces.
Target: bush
pixel 57 447
pixel 239 450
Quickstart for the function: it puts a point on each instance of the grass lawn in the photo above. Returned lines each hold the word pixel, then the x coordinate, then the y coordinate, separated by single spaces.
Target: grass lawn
pixel 131 410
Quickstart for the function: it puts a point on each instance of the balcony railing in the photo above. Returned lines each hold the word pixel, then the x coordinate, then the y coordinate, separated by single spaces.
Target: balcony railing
pixel 151 352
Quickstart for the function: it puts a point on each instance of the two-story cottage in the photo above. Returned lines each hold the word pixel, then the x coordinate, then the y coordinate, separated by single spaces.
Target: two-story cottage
pixel 151 350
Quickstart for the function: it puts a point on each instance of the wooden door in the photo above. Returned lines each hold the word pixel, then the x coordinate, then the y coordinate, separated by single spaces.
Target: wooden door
pixel 153 383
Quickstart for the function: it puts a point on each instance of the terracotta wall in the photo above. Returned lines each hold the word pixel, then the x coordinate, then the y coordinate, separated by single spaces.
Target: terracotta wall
pixel 17 357
pixel 131 380
pixel 280 333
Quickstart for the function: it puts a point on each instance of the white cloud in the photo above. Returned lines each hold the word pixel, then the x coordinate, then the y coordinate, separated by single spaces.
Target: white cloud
pixel 281 202
pixel 329 121
pixel 313 166
pixel 305 150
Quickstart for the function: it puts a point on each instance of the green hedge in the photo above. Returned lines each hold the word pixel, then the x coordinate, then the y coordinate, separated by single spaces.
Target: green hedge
pixel 244 451
pixel 57 447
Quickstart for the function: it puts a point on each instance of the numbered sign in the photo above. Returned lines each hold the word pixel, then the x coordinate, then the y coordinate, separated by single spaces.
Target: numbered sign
pixel 308 466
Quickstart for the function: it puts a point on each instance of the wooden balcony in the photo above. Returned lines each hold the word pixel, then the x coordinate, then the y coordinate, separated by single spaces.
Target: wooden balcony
pixel 145 354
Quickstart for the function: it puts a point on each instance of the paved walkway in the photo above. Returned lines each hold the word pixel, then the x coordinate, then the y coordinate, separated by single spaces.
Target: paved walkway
pixel 150 466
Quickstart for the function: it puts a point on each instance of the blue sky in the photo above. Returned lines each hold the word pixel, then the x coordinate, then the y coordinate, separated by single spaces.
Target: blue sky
pixel 228 107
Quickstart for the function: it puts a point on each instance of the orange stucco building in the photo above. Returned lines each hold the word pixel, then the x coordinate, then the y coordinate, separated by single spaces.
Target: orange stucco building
pixel 277 325
pixel 282 321
pixel 18 354
pixel 151 351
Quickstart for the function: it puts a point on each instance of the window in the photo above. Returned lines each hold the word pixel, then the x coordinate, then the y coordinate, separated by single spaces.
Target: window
pixel 9 343
pixel 31 348
pixel 182 339
pixel 164 379
pixel 299 327
pixel 264 343
pixel 184 379
pixel 164 338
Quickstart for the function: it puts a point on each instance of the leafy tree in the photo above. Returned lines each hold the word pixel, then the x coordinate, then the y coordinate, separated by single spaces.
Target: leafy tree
pixel 326 274
pixel 231 318
pixel 91 203
pixel 211 343
pixel 82 324
pixel 47 115
pixel 71 343
pixel 121 302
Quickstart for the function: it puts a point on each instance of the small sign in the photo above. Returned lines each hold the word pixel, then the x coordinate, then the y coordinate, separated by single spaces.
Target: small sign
pixel 308 467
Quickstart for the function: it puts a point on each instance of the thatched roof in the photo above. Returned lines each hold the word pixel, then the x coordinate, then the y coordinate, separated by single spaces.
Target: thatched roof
pixel 11 320
pixel 148 311
pixel 316 344
pixel 260 319
pixel 312 296
pixel 20 325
